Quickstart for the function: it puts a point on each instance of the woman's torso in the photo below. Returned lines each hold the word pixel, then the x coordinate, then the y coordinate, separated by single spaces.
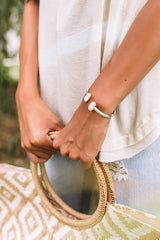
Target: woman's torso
pixel 76 40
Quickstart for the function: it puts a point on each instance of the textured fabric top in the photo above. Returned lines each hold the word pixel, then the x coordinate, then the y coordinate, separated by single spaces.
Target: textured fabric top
pixel 76 40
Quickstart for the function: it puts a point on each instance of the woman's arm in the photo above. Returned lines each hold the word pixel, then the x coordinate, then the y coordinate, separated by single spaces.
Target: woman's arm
pixel 83 136
pixel 138 53
pixel 28 52
pixel 35 118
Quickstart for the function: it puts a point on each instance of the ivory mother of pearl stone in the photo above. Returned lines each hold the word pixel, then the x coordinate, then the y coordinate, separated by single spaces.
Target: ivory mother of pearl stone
pixel 91 106
pixel 87 97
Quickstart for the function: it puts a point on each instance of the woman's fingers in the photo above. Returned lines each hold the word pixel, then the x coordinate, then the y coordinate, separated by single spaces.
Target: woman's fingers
pixel 42 155
pixel 57 143
pixel 35 158
pixel 39 148
pixel 36 121
pixel 86 160
pixel 42 144
pixel 75 148
pixel 87 165
pixel 64 149
pixel 70 148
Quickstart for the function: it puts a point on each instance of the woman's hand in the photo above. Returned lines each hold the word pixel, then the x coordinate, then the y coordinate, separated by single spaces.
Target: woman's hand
pixel 82 137
pixel 36 120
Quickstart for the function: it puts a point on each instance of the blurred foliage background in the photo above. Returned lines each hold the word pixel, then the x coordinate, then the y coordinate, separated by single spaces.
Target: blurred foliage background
pixel 10 26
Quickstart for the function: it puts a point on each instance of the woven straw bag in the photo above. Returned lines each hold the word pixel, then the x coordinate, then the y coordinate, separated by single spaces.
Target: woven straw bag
pixel 30 209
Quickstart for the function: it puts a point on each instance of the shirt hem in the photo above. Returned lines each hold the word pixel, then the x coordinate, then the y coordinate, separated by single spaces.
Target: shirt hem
pixel 129 151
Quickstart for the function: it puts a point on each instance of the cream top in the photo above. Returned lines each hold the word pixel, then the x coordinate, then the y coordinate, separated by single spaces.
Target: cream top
pixel 76 40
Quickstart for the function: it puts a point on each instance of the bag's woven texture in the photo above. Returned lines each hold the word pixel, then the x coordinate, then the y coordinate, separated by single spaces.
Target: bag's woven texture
pixel 23 215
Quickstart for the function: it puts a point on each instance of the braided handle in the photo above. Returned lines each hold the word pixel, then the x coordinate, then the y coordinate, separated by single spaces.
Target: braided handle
pixel 83 220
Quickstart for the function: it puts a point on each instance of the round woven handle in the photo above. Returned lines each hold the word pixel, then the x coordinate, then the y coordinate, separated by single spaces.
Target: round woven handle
pixel 83 221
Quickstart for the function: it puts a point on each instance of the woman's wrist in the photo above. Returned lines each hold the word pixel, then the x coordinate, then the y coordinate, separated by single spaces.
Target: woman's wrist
pixel 28 83
pixel 92 116
pixel 26 93
pixel 92 106
pixel 104 94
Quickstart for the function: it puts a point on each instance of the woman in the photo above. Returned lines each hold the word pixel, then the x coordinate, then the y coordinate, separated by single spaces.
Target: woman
pixel 111 48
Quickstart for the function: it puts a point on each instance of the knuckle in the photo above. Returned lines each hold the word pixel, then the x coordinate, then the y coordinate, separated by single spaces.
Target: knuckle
pixel 55 144
pixel 35 140
pixel 64 150
pixel 86 158
pixel 74 155
pixel 22 145
pixel 58 125
pixel 27 145
pixel 71 139
pixel 78 145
